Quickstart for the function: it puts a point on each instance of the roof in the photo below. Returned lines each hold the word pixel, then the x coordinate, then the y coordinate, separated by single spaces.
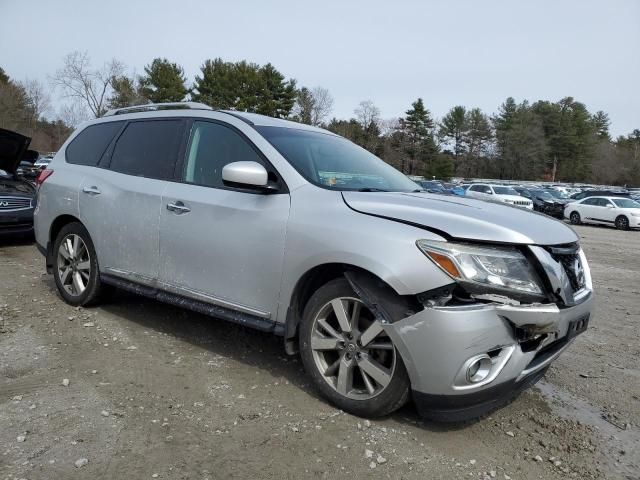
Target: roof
pixel 151 110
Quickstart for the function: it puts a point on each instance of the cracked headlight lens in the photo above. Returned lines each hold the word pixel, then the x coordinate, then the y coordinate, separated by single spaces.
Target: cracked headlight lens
pixel 499 268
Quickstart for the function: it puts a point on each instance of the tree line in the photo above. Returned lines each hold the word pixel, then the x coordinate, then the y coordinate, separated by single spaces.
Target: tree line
pixel 544 140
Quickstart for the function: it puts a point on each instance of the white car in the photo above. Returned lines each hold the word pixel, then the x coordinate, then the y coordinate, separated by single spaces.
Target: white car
pixel 42 162
pixel 622 212
pixel 498 193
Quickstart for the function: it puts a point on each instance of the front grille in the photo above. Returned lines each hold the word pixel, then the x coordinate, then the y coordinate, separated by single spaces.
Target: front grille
pixel 572 266
pixel 14 203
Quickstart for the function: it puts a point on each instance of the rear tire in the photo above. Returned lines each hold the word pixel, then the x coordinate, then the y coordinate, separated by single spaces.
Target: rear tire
pixel 356 368
pixel 575 218
pixel 622 223
pixel 75 266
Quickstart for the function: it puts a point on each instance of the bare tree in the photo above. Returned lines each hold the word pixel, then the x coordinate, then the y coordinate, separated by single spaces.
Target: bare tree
pixel 322 105
pixel 312 106
pixel 92 88
pixel 367 113
pixel 38 97
pixel 73 113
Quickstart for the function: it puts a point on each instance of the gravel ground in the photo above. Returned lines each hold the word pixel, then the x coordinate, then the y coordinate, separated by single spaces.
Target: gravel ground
pixel 138 389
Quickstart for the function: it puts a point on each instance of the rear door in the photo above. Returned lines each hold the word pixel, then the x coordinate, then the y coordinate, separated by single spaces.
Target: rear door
pixel 120 203
pixel 218 243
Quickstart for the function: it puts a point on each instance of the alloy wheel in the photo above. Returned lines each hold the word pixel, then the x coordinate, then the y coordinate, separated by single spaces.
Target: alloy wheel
pixel 74 264
pixel 575 218
pixel 623 223
pixel 351 350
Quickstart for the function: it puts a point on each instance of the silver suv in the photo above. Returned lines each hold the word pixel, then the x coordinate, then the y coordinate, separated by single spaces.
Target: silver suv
pixel 386 291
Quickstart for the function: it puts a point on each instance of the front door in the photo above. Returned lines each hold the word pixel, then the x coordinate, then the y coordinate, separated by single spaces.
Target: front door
pixel 218 243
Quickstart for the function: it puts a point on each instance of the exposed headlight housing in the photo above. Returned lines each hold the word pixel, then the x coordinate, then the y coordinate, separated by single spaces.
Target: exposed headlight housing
pixel 484 268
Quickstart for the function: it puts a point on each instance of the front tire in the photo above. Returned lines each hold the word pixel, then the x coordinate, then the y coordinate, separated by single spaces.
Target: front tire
pixel 622 223
pixel 76 266
pixel 348 355
pixel 575 218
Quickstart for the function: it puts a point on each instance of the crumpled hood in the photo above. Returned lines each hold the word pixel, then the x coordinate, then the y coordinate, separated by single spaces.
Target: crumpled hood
pixel 464 218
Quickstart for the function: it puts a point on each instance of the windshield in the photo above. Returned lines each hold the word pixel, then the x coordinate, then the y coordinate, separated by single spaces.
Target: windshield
pixel 558 194
pixel 505 191
pixel 335 163
pixel 625 203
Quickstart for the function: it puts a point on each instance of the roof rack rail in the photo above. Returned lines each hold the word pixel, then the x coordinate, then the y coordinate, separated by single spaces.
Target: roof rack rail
pixel 149 107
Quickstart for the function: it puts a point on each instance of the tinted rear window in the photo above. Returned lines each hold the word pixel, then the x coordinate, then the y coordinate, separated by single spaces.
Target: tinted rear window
pixel 90 144
pixel 148 148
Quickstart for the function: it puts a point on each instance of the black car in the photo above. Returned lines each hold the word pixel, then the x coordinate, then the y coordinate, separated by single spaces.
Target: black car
pixel 544 201
pixel 599 193
pixel 17 194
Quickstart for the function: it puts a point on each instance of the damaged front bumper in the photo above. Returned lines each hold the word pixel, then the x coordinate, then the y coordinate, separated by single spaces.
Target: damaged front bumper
pixel 440 345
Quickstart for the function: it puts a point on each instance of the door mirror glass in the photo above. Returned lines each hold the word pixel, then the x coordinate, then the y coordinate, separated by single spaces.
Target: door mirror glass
pixel 245 173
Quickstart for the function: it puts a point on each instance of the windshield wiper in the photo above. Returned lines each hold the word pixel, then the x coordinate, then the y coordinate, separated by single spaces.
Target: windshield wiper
pixel 372 189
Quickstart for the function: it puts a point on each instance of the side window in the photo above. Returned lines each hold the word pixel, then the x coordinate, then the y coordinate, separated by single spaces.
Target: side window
pixel 212 146
pixel 87 148
pixel 603 202
pixel 590 201
pixel 148 149
pixel 487 189
pixel 473 188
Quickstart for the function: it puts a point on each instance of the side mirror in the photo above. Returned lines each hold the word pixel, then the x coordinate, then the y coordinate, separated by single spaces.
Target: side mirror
pixel 610 206
pixel 248 174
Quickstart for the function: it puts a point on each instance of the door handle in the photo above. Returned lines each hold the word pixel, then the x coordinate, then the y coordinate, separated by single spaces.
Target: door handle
pixel 93 190
pixel 178 207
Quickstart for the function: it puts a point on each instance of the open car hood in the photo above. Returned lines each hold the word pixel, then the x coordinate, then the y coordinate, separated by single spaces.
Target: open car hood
pixel 463 218
pixel 13 149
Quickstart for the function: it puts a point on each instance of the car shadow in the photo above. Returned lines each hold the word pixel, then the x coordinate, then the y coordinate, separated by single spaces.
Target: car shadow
pixel 256 349
pixel 16 239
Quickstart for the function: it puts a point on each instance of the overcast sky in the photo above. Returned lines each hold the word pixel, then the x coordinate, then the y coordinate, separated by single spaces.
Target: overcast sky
pixel 474 53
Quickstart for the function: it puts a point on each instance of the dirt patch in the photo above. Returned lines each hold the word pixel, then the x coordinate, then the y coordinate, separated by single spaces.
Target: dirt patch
pixel 158 392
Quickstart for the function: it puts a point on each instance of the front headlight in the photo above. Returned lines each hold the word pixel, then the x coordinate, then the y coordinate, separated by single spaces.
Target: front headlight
pixel 498 268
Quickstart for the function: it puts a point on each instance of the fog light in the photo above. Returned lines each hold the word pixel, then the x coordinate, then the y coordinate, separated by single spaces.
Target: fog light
pixel 479 368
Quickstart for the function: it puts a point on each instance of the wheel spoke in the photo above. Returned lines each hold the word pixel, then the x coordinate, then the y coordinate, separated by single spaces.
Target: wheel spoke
pixel 329 329
pixel 355 315
pixel 345 377
pixel 324 343
pixel 64 275
pixel 86 265
pixel 69 247
pixel 333 368
pixel 367 381
pixel 78 283
pixel 370 333
pixel 341 314
pixel 380 346
pixel 76 246
pixel 64 252
pixel 376 371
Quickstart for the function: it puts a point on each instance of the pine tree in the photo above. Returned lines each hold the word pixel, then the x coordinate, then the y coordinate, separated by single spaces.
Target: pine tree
pixel 125 93
pixel 163 82
pixel 453 128
pixel 419 145
pixel 601 124
pixel 246 87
